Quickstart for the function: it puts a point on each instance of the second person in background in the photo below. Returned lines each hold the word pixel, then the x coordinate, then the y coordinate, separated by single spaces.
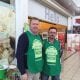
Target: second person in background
pixel 51 55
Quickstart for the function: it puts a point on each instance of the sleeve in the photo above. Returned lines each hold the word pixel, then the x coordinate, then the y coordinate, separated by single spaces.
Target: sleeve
pixel 22 48
pixel 61 50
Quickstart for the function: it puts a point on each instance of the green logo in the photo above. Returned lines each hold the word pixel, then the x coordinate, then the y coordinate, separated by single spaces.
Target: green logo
pixel 51 53
pixel 37 46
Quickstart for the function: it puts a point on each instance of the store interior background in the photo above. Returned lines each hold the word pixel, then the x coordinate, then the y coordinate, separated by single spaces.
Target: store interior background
pixel 16 20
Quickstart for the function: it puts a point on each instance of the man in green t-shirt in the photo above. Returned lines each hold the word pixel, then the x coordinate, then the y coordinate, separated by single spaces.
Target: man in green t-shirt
pixel 51 56
pixel 29 52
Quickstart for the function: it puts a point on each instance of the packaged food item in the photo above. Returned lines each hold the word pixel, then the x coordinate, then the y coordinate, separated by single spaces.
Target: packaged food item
pixel 13 73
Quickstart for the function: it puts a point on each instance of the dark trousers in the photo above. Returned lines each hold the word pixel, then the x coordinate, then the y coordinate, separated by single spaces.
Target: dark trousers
pixel 46 77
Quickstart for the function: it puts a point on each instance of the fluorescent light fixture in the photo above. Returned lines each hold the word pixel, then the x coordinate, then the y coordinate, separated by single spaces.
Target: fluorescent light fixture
pixel 77 2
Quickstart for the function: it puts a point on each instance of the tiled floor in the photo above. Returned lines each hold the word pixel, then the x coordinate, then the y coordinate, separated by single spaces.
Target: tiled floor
pixel 71 68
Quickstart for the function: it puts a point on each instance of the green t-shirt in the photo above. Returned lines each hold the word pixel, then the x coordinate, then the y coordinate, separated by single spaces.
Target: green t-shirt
pixel 51 57
pixel 34 54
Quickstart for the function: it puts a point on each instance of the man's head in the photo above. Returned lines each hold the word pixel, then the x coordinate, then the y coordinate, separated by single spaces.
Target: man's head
pixel 34 25
pixel 52 32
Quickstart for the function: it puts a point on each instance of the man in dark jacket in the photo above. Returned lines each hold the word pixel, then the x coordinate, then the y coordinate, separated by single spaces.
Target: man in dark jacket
pixel 29 52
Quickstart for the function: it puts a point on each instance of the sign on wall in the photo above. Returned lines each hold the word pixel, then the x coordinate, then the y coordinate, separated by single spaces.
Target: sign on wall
pixel 76 21
pixel 46 13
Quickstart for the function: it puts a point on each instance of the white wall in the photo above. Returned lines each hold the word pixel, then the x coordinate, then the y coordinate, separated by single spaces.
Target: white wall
pixel 36 10
pixel 42 12
pixel 21 16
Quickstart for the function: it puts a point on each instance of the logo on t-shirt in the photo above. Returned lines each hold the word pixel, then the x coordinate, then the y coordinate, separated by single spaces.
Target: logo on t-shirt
pixel 37 46
pixel 51 53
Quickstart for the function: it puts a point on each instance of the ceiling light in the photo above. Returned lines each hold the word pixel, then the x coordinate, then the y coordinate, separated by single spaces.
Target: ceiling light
pixel 77 2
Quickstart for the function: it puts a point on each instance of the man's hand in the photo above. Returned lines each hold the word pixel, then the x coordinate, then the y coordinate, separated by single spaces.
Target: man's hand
pixel 25 76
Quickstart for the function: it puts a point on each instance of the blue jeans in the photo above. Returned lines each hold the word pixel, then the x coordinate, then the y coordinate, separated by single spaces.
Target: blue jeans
pixel 46 77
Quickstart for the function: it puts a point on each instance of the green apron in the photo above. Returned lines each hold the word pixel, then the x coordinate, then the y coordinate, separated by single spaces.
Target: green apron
pixel 52 64
pixel 34 53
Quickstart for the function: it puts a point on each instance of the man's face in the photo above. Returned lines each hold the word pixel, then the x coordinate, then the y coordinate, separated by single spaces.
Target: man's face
pixel 52 33
pixel 34 26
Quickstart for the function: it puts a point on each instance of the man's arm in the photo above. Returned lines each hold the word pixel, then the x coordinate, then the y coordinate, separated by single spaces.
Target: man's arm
pixel 61 51
pixel 22 48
